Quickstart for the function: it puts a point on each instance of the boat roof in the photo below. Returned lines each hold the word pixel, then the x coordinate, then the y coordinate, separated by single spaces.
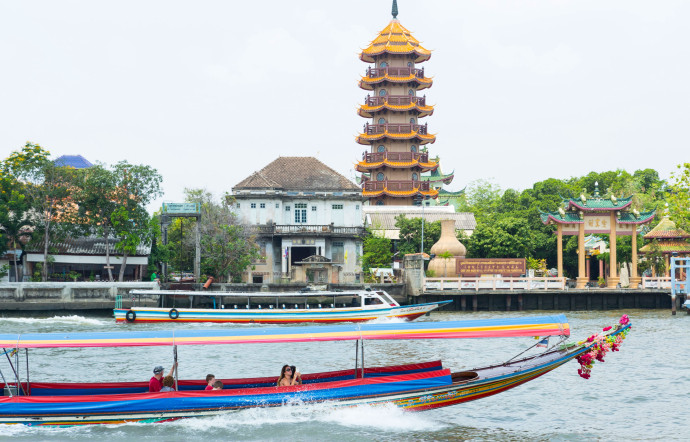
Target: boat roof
pixel 552 325
pixel 257 294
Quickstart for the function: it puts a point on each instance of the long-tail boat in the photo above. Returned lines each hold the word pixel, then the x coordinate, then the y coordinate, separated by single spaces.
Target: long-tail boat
pixel 271 308
pixel 416 386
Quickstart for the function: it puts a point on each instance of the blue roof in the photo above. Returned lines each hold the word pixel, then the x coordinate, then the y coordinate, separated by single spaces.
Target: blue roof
pixel 76 161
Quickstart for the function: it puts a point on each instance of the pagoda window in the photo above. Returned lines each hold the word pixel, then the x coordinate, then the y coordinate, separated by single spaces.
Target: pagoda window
pixel 410 92
pixel 410 64
pixel 412 121
pixel 379 176
pixel 383 64
pixel 382 121
pixel 414 177
pixel 413 148
pixel 382 93
pixel 381 148
pixel 379 203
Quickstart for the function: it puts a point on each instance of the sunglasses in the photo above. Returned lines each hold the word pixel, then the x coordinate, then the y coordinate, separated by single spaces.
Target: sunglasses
pixel 288 369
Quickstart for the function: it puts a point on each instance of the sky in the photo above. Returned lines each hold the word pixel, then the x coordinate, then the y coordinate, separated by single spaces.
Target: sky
pixel 208 92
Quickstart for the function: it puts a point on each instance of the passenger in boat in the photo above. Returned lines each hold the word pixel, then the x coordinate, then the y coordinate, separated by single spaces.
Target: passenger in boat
pixel 210 380
pixel 168 383
pixel 289 376
pixel 156 381
pixel 217 385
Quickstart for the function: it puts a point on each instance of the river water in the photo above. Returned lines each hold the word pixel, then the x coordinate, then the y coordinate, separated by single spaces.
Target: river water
pixel 639 393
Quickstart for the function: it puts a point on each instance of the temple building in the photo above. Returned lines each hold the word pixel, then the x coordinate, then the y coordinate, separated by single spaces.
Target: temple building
pixel 670 239
pixel 393 165
pixel 599 215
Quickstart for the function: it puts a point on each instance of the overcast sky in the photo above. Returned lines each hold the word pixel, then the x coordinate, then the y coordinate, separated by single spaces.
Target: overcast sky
pixel 210 91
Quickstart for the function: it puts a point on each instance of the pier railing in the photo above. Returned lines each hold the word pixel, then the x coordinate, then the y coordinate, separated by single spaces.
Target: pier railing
pixel 656 282
pixel 483 283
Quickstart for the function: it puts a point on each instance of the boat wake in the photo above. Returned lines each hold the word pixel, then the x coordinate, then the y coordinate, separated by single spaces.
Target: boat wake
pixel 385 320
pixel 72 319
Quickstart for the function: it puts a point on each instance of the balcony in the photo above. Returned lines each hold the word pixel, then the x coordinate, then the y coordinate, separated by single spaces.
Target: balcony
pixel 394 71
pixel 395 100
pixel 305 229
pixel 396 186
pixel 400 157
pixel 394 128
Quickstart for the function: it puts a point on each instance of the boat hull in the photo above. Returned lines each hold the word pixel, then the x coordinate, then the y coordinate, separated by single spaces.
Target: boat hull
pixel 273 316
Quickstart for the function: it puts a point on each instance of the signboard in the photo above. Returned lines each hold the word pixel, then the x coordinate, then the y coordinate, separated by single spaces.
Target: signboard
pixel 182 208
pixel 470 267
pixel 598 224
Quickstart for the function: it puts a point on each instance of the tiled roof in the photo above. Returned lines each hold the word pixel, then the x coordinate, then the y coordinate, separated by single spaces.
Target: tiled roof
pixel 423 82
pixel 76 161
pixel 85 245
pixel 667 229
pixel 669 246
pixel 297 173
pixel 570 217
pixel 395 39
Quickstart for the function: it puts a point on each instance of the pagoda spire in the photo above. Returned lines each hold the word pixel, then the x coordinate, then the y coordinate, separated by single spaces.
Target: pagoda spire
pixel 394 11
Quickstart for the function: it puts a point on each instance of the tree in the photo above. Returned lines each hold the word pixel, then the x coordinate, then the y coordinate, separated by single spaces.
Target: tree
pixel 679 196
pixel 411 234
pixel 377 252
pixel 506 238
pixel 15 223
pixel 49 189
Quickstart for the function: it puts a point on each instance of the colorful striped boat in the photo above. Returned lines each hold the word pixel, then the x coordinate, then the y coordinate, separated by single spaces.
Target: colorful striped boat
pixel 419 386
pixel 273 308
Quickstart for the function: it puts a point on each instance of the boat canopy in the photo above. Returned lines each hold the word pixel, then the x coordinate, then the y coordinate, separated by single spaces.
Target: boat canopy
pixel 552 325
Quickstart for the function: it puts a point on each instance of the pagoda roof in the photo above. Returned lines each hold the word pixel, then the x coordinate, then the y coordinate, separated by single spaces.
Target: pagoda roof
pixel 448 194
pixel 666 229
pixel 573 217
pixel 432 193
pixel 297 173
pixel 367 111
pixel 366 139
pixel 596 202
pixel 668 246
pixel 394 39
pixel 363 166
pixel 75 161
pixel 422 82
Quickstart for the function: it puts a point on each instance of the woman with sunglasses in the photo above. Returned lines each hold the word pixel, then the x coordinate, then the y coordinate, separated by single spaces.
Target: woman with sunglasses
pixel 289 376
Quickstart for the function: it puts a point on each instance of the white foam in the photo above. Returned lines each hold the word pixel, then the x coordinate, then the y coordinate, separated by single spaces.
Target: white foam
pixel 387 320
pixel 73 319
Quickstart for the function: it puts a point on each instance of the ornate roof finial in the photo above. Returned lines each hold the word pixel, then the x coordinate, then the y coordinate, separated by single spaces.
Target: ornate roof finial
pixel 596 189
pixel 394 11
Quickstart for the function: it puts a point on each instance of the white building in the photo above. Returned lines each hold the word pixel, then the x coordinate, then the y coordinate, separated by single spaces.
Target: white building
pixel 308 222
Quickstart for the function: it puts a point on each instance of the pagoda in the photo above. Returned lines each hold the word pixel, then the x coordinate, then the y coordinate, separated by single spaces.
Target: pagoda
pixel 599 215
pixel 393 166
pixel 670 239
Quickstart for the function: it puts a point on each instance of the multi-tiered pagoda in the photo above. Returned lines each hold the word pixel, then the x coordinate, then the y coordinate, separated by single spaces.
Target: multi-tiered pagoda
pixel 392 169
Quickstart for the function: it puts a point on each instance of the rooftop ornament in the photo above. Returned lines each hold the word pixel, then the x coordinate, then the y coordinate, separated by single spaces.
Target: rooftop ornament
pixel 394 11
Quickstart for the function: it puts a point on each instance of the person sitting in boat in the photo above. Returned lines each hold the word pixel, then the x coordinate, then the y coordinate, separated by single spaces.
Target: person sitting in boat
pixel 289 376
pixel 217 385
pixel 168 384
pixel 210 380
pixel 156 382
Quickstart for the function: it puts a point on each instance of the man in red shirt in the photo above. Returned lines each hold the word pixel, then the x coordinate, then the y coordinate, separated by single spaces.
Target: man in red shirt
pixel 210 379
pixel 156 382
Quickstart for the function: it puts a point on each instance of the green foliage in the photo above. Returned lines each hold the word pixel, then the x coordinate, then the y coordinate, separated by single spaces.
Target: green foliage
pixel 377 252
pixel 679 196
pixel 411 234
pixel 4 270
pixel 507 237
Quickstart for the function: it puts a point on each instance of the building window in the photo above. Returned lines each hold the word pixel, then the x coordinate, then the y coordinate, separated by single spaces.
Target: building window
pixel 410 64
pixel 313 208
pixel 287 208
pixel 413 148
pixel 277 206
pixel 410 92
pixel 338 251
pixel 238 205
pixel 414 177
pixel 300 212
pixel 381 148
pixel 253 205
pixel 382 93
pixel 379 203
pixel 337 206
pixel 357 207
pixel 383 64
pixel 412 121
pixel 262 206
pixel 379 176
pixel 382 121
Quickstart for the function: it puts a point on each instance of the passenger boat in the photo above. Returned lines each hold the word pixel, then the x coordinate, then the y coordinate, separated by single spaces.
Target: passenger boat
pixel 271 308
pixel 416 386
